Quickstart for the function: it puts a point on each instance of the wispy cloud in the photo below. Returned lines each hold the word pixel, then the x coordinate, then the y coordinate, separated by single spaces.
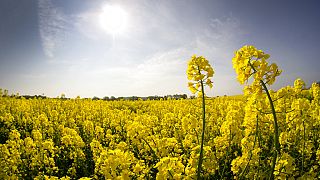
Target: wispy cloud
pixel 219 37
pixel 52 26
pixel 216 41
pixel 223 28
pixel 164 71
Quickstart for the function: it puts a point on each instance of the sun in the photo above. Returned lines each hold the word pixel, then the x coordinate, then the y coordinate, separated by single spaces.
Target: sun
pixel 113 19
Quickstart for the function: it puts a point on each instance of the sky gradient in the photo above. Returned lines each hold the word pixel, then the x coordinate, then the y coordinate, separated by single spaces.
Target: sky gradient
pixel 52 47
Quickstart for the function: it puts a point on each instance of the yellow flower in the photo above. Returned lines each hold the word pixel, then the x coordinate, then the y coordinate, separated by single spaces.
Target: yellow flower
pixel 249 61
pixel 199 72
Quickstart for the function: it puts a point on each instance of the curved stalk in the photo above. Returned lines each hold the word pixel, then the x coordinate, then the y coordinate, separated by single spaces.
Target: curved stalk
pixel 153 152
pixel 276 131
pixel 275 124
pixel 202 135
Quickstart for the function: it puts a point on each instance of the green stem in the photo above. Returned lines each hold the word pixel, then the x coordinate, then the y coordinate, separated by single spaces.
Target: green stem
pixel 155 157
pixel 276 131
pixel 275 124
pixel 203 129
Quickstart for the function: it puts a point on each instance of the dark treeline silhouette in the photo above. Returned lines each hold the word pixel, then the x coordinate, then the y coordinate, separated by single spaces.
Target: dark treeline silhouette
pixel 5 93
pixel 33 97
pixel 135 98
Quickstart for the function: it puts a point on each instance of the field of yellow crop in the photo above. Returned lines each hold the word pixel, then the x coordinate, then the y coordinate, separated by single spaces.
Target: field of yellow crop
pixel 262 134
pixel 55 138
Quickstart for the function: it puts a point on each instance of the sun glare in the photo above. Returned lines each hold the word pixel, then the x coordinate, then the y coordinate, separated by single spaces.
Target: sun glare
pixel 113 19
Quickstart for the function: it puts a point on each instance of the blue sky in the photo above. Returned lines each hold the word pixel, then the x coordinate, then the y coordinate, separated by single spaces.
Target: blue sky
pixel 56 46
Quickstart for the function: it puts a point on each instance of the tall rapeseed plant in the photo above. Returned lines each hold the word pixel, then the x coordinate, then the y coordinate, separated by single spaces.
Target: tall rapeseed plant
pixel 199 74
pixel 247 62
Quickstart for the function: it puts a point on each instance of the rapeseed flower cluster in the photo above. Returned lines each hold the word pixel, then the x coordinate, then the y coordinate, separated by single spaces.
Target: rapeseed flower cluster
pixel 249 61
pixel 199 71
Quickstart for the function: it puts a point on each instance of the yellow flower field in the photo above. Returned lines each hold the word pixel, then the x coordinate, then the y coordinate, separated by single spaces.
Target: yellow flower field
pixel 262 134
pixel 70 139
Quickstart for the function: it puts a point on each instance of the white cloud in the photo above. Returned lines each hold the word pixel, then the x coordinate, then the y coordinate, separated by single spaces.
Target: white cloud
pixel 52 26
pixel 165 71
pixel 87 25
pixel 223 29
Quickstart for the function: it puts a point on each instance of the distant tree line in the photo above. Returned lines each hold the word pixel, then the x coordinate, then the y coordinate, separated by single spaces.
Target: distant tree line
pixel 5 93
pixel 135 98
